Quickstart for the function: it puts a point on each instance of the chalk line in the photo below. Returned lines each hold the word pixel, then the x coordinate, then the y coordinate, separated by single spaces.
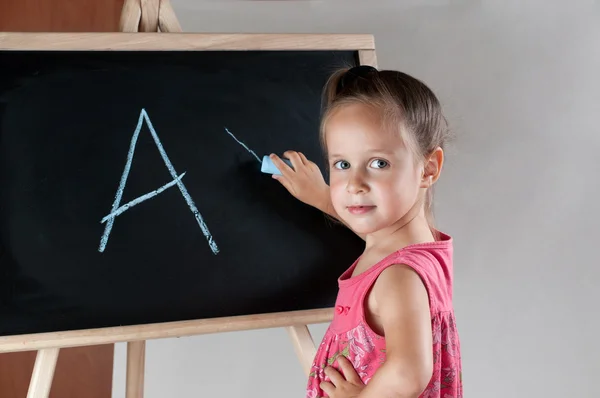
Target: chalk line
pixel 181 186
pixel 176 181
pixel 141 199
pixel 119 194
pixel 244 145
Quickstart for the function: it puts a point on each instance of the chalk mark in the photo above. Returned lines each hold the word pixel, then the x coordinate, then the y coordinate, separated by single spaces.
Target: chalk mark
pixel 110 219
pixel 141 199
pixel 244 145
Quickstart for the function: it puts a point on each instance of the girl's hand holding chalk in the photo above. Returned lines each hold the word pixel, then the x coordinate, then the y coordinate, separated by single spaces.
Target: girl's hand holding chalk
pixel 303 180
pixel 269 167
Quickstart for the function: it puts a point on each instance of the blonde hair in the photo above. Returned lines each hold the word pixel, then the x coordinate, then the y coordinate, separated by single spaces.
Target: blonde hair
pixel 407 106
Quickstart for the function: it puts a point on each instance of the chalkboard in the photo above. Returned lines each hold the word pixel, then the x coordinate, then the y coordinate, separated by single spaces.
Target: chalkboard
pixel 130 192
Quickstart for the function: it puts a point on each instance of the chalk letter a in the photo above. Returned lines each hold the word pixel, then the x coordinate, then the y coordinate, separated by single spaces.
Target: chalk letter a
pixel 177 180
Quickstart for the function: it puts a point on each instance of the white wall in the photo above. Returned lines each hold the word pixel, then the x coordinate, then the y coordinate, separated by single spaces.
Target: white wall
pixel 521 85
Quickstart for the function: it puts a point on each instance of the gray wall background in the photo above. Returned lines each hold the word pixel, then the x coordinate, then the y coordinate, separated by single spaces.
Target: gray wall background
pixel 520 82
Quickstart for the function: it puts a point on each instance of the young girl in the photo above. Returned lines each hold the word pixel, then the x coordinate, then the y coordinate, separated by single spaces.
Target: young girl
pixel 393 332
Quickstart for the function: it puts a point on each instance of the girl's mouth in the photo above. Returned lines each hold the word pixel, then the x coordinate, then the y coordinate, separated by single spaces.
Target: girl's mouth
pixel 358 210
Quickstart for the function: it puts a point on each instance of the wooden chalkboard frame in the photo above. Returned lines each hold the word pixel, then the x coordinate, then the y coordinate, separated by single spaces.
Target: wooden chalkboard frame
pixel 49 344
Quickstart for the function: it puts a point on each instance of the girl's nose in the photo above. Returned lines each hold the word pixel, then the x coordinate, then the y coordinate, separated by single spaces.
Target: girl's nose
pixel 357 184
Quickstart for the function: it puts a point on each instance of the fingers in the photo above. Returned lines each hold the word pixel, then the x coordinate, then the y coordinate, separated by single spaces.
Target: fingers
pixel 308 163
pixel 293 154
pixel 281 165
pixel 336 378
pixel 301 166
pixel 328 388
pixel 295 158
pixel 348 370
pixel 304 159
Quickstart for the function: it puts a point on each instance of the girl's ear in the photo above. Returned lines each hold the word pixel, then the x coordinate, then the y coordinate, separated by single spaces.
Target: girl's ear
pixel 432 167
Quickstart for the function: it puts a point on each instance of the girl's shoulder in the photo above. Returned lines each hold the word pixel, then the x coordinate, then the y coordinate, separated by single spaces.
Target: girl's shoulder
pixel 431 261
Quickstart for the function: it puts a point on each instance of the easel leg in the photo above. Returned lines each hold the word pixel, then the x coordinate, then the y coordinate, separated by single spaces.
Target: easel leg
pixel 149 19
pixel 43 373
pixel 136 355
pixel 130 16
pixel 303 345
pixel 167 21
pixel 148 16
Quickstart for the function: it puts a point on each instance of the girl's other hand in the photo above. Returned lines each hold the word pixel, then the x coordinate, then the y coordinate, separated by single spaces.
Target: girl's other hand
pixel 305 181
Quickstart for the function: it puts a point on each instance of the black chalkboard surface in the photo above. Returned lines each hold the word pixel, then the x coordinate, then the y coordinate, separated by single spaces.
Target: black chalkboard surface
pixel 68 122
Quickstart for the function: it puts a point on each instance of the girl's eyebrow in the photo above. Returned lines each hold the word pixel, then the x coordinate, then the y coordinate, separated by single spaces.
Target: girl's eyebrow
pixel 384 151
pixel 377 150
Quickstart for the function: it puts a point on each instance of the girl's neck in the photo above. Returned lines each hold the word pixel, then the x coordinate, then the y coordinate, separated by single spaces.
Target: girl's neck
pixel 411 229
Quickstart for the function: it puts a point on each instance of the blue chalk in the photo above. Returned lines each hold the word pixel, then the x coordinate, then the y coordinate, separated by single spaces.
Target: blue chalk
pixel 268 166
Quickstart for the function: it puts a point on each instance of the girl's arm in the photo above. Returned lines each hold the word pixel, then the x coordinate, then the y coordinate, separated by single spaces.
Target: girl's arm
pixel 305 182
pixel 402 304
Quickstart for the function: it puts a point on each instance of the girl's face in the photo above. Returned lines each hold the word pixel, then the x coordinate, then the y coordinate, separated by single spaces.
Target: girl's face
pixel 374 180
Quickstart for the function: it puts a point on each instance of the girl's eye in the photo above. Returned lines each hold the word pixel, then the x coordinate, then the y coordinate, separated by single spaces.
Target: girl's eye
pixel 379 163
pixel 341 164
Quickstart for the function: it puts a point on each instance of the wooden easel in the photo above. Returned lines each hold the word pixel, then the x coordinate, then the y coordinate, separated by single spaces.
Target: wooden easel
pixel 154 16
pixel 140 20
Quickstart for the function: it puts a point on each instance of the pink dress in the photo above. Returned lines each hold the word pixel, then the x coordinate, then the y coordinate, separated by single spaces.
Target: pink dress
pixel 349 334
